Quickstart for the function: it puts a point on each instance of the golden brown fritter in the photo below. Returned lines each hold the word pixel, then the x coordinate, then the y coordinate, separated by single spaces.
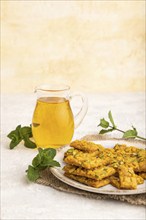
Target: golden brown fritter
pixel 141 166
pixel 122 148
pixel 97 173
pixel 127 177
pixel 85 162
pixel 139 179
pixel 115 181
pixel 89 163
pixel 142 174
pixel 86 146
pixel 74 152
pixel 88 181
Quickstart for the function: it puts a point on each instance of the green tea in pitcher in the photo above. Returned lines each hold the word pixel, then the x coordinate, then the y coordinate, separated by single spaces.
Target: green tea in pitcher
pixel 53 122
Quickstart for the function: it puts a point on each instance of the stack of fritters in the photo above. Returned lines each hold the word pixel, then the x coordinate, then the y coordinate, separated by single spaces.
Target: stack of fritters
pixel 92 164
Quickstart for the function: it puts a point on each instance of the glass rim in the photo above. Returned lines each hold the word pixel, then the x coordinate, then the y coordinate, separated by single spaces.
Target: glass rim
pixel 52 87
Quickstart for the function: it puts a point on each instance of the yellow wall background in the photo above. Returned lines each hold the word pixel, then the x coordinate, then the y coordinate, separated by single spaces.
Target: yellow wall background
pixel 95 46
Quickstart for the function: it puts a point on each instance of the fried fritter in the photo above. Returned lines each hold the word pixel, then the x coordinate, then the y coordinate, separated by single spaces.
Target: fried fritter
pixel 115 181
pixel 85 162
pixel 94 165
pixel 139 179
pixel 74 152
pixel 141 158
pixel 107 153
pixel 142 174
pixel 127 177
pixel 97 173
pixel 88 181
pixel 86 146
pixel 122 148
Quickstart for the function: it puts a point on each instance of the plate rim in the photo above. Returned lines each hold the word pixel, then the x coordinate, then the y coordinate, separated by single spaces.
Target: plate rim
pixel 56 172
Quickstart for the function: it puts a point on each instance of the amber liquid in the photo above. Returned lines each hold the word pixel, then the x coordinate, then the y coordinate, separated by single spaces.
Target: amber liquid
pixel 53 123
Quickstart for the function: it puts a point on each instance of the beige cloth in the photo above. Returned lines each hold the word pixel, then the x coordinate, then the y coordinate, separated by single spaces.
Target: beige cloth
pixel 48 179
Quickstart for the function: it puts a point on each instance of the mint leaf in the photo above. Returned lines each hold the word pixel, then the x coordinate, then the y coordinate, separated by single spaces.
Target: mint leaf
pixel 111 119
pixel 36 161
pixel 51 152
pixel 104 123
pixel 103 131
pixel 28 143
pixel 14 132
pixel 32 173
pixel 45 160
pixel 14 143
pixel 54 163
pixel 48 152
pixel 15 137
pixel 26 131
pixel 41 161
pixel 19 134
pixel 130 133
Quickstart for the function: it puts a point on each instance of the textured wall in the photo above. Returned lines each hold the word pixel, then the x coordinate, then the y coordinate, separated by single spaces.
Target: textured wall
pixel 91 45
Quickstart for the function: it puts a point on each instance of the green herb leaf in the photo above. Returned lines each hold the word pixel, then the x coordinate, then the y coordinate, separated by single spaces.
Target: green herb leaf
pixel 54 163
pixel 32 173
pixel 103 131
pixel 45 160
pixel 28 143
pixel 36 161
pixel 104 123
pixel 111 119
pixel 14 143
pixel 41 161
pixel 130 134
pixel 14 132
pixel 51 152
pixel 19 134
pixel 15 137
pixel 26 131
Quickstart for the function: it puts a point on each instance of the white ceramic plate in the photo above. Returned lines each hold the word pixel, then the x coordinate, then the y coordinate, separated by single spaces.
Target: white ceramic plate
pixel 108 189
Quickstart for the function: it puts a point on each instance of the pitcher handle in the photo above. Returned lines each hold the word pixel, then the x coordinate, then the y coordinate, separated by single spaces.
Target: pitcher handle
pixel 78 118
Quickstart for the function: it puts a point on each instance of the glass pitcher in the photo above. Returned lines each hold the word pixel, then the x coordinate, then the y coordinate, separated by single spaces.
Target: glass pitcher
pixel 53 122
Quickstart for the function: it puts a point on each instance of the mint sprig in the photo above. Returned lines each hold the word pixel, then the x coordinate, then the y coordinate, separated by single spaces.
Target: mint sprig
pixel 41 161
pixel 21 134
pixel 110 126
